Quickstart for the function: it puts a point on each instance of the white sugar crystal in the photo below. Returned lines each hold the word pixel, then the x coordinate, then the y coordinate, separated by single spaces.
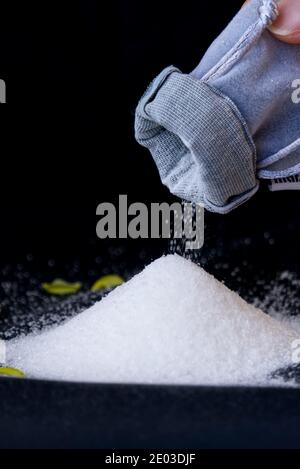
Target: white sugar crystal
pixel 172 323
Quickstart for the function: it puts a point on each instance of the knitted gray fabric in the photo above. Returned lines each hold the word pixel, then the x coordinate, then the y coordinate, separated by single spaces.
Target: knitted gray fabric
pixel 204 142
pixel 215 132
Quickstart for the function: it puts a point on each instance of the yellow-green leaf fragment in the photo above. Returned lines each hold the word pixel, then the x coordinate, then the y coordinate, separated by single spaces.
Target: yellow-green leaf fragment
pixel 107 281
pixel 61 287
pixel 6 371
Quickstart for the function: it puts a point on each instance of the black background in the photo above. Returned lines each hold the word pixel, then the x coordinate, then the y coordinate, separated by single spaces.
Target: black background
pixel 74 73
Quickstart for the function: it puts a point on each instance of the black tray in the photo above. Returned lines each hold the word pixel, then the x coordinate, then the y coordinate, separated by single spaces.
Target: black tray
pixel 257 241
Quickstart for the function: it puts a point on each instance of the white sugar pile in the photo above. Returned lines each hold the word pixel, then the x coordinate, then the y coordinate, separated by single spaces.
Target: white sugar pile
pixel 172 323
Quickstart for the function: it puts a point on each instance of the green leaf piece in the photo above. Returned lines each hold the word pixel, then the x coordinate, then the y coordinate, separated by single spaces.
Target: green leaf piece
pixel 61 287
pixel 107 281
pixel 14 372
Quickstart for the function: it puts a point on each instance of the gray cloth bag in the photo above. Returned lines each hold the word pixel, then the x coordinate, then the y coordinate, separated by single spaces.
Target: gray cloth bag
pixel 216 132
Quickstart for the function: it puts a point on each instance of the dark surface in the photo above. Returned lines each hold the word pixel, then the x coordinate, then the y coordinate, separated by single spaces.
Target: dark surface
pixel 52 415
pixel 249 256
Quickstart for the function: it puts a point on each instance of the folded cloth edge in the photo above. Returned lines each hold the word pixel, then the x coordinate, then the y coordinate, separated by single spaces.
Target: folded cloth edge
pixel 199 140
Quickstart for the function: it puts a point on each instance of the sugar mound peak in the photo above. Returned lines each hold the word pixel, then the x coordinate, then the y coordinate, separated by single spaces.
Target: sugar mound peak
pixel 172 323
